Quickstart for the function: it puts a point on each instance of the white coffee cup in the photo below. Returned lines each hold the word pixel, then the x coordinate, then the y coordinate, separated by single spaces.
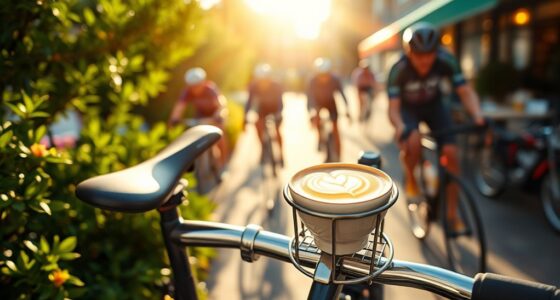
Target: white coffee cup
pixel 339 188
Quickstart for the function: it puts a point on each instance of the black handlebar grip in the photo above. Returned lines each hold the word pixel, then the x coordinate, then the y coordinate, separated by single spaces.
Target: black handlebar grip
pixel 492 286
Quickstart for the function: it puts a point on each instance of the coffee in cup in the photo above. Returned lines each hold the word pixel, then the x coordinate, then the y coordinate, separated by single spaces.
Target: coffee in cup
pixel 338 188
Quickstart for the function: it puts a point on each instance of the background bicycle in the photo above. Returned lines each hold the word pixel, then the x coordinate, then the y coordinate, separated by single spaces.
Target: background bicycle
pixel 523 159
pixel 466 250
pixel 270 165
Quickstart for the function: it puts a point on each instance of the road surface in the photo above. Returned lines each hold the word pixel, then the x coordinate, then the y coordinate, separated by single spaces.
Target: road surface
pixel 519 242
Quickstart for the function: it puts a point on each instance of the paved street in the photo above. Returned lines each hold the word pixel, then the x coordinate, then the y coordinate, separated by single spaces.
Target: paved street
pixel 520 243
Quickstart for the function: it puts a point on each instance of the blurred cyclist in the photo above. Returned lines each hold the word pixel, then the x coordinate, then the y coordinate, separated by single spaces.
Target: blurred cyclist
pixel 365 82
pixel 415 96
pixel 208 106
pixel 265 97
pixel 320 95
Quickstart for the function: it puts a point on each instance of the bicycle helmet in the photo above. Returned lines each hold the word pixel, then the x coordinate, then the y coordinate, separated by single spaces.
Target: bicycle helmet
pixel 195 75
pixel 322 65
pixel 262 71
pixel 421 37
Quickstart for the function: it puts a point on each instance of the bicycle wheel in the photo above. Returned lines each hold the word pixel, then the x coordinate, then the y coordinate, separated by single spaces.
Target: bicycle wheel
pixel 421 210
pixel 466 250
pixel 269 177
pixel 550 197
pixel 490 173
pixel 331 153
pixel 206 176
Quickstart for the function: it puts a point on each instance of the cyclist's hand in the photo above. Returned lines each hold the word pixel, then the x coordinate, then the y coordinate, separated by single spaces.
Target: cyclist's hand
pixel 479 120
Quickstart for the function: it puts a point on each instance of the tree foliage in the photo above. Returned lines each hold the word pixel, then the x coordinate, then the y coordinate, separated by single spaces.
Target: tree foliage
pixel 103 59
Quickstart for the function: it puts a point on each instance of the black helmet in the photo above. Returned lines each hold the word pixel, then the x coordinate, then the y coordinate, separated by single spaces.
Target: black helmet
pixel 421 37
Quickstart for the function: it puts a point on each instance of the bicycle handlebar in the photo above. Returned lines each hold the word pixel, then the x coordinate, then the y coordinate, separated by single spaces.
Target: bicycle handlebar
pixel 252 241
pixel 457 129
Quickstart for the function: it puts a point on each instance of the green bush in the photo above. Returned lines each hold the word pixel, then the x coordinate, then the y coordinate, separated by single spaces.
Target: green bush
pixel 103 58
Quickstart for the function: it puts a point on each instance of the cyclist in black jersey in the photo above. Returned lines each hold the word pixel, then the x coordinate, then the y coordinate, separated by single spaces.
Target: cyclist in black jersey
pixel 415 96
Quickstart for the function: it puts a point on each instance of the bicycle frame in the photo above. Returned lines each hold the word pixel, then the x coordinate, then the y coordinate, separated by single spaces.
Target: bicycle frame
pixel 438 202
pixel 253 242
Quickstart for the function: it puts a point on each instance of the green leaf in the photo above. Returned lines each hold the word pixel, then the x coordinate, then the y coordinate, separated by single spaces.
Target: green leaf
pixel 40 133
pixel 11 265
pixel 67 245
pixel 45 207
pixel 44 245
pixel 30 246
pixel 5 138
pixel 69 256
pixel 23 260
pixel 39 114
pixel 89 16
pixel 15 110
pixel 75 281
pixel 29 106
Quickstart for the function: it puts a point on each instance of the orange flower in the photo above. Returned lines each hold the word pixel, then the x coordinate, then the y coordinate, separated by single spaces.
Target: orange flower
pixel 59 277
pixel 39 150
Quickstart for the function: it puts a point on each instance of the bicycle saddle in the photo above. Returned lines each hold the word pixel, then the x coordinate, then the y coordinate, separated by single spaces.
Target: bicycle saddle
pixel 149 184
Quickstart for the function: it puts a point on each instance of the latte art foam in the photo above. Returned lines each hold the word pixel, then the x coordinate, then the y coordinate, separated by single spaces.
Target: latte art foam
pixel 339 184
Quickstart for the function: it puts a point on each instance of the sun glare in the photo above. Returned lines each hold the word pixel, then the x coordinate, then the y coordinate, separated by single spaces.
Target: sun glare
pixel 305 17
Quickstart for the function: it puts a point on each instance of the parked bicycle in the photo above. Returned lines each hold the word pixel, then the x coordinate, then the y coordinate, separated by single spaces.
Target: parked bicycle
pixel 156 184
pixel 522 159
pixel 466 250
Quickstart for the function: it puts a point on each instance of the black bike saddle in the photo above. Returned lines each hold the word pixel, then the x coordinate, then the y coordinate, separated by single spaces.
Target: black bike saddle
pixel 149 184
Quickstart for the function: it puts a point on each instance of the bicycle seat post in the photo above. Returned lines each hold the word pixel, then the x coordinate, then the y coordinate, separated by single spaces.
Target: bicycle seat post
pixel 170 217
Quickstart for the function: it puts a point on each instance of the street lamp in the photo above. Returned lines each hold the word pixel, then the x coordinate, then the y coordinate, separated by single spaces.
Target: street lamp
pixel 521 17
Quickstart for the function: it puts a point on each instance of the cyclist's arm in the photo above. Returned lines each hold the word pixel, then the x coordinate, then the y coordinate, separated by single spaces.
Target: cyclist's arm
pixel 395 116
pixel 394 94
pixel 470 100
pixel 468 96
pixel 178 109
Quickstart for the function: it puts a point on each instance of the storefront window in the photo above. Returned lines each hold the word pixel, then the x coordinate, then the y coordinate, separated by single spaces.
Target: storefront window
pixel 521 48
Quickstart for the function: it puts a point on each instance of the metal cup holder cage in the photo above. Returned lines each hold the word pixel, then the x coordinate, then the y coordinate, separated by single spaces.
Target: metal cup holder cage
pixel 378 252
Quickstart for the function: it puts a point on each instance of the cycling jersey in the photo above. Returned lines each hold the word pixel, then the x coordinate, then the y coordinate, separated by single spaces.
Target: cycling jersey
pixel 421 96
pixel 204 98
pixel 321 92
pixel 364 79
pixel 406 84
pixel 265 96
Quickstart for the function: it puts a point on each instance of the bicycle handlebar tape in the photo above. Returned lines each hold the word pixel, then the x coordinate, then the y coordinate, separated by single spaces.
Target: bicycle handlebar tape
pixel 492 287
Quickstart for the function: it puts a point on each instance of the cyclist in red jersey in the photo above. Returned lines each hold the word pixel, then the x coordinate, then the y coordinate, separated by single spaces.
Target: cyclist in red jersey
pixel 208 106
pixel 365 82
pixel 265 97
pixel 320 95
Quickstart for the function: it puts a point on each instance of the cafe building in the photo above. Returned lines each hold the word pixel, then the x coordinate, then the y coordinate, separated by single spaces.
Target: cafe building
pixel 512 47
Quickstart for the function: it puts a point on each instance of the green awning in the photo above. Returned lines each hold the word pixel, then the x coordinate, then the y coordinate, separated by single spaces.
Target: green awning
pixel 437 12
